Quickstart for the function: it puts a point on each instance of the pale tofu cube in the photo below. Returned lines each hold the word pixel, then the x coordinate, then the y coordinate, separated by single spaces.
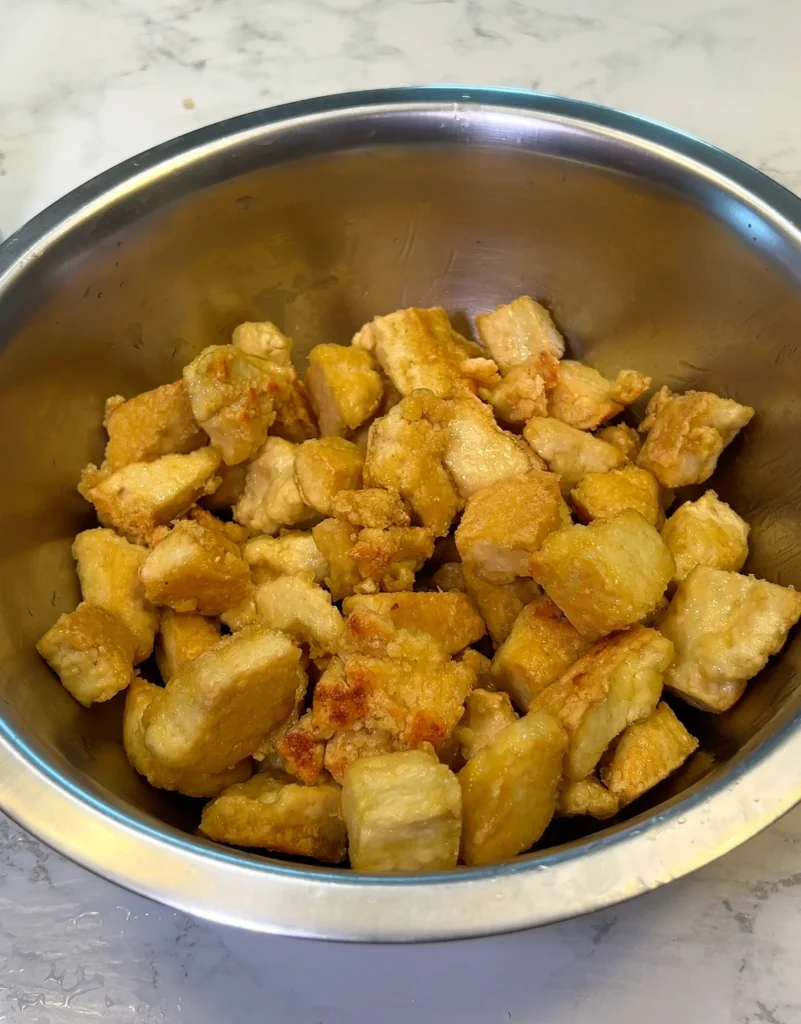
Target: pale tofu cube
pixel 371 506
pixel 293 552
pixel 335 540
pixel 230 489
pixel 264 339
pixel 403 813
pixel 182 637
pixel 276 813
pixel 108 568
pixel 509 789
pixel 451 618
pixel 271 498
pixel 388 559
pixel 505 523
pixel 301 753
pixel 143 495
pixel 485 715
pixel 604 495
pixel 587 797
pixel 647 753
pixel 725 627
pixel 604 576
pixel 569 452
pixel 706 532
pixel 519 331
pixel 345 388
pixel 623 437
pixel 523 392
pixel 499 606
pixel 138 699
pixel 299 606
pixel 616 683
pixel 218 708
pixel 585 399
pixel 685 434
pixel 91 652
pixel 325 467
pixel 540 648
pixel 152 424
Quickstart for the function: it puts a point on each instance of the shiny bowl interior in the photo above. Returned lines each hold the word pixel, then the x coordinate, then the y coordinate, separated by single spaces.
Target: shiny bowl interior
pixel 653 251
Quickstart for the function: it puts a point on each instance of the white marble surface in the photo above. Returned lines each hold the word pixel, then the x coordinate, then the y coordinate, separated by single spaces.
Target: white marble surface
pixel 85 83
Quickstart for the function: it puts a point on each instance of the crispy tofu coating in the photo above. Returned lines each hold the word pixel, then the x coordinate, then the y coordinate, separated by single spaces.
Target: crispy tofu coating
pixel 604 576
pixel 139 497
pixel 403 813
pixel 388 559
pixel 725 627
pixel 569 452
pixel 585 399
pixel 499 606
pixel 616 683
pixel 138 698
pixel 587 797
pixel 623 437
pixel 300 752
pixel 325 467
pixel 604 495
pixel 91 651
pixel 541 646
pixel 335 540
pixel 263 339
pixel 295 419
pixel 523 392
pixel 505 523
pixel 271 498
pixel 371 506
pixel 685 434
pixel 299 606
pixel 509 789
pixel 706 532
pixel 108 568
pixel 155 423
pixel 182 637
pixel 276 813
pixel 486 713
pixel 519 331
pixel 218 707
pixel 349 745
pixel 451 618
pixel 647 753
pixel 293 552
pixel 195 569
pixel 345 388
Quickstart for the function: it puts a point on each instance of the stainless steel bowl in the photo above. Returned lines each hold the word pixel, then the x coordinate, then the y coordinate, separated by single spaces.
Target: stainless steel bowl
pixel 653 250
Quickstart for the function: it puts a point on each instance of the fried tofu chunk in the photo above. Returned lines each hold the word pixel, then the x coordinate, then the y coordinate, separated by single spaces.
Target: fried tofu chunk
pixel 345 388
pixel 403 813
pixel 623 437
pixel 604 576
pixel 218 707
pixel 182 780
pixel 505 523
pixel 509 789
pixel 584 398
pixel 569 452
pixel 232 397
pixel 725 627
pixel 499 606
pixel 295 419
pixel 276 813
pixel 293 552
pixel 349 745
pixel 299 606
pixel 706 532
pixel 108 568
pixel 182 637
pixel 300 752
pixel 647 753
pixel 325 467
pixel 451 618
pixel 155 423
pixel 519 331
pixel 486 713
pixel 541 646
pixel 685 434
pixel 335 540
pixel 143 495
pixel 616 683
pixel 523 392
pixel 91 651
pixel 271 498
pixel 604 495
pixel 587 797
pixel 195 569
pixel 371 506
pixel 229 491
pixel 265 340
pixel 388 559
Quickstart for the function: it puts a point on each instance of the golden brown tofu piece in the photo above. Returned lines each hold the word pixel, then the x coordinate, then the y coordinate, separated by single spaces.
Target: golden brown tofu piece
pixel 570 452
pixel 604 576
pixel 706 532
pixel 349 745
pixel 229 491
pixel 108 568
pixel 271 498
pixel 276 813
pixel 519 331
pixel 345 388
pixel 647 753
pixel 388 559
pixel 143 495
pixel 585 399
pixel 686 433
pixel 295 419
pixel 335 540
pixel 91 651
pixel 587 797
pixel 263 339
pixel 499 606
pixel 509 789
pixel 451 618
pixel 403 813
pixel 616 683
pixel 299 606
pixel 325 467
pixel 152 424
pixel 371 506
pixel 300 753
pixel 725 627
pixel 523 392
pixel 604 495
pixel 505 523
pixel 233 399
pixel 291 553
pixel 245 613
pixel 218 707
pixel 195 569
pixel 182 637
pixel 623 437
pixel 485 715
pixel 182 780
pixel 540 648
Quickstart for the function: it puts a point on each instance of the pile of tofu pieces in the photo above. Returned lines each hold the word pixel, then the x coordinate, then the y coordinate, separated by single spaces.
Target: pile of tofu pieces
pixel 411 606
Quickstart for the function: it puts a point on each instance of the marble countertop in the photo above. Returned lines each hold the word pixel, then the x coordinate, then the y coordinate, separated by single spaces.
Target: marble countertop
pixel 85 83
